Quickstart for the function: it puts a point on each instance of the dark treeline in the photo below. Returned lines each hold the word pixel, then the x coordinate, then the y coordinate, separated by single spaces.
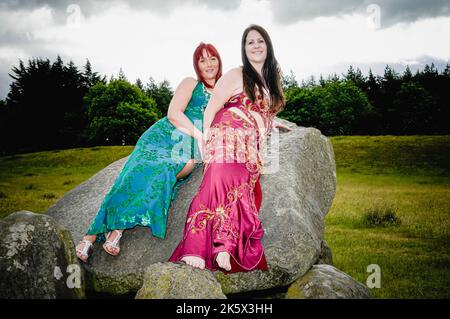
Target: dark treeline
pixel 44 108
pixel 57 105
pixel 354 104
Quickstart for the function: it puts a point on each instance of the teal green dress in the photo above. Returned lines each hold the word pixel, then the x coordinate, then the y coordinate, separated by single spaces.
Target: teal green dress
pixel 143 191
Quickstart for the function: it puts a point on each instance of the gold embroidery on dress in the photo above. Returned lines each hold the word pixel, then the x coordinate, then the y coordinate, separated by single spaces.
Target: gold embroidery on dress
pixel 221 214
pixel 226 144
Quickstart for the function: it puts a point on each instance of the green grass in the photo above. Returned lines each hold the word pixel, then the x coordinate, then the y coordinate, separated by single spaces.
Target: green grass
pixel 393 155
pixel 408 176
pixel 35 181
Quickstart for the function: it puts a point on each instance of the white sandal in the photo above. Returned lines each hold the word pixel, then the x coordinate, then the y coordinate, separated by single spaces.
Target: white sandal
pixel 83 253
pixel 114 244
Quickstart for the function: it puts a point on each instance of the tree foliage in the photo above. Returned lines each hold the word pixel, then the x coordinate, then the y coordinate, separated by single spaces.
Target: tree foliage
pixel 356 104
pixel 161 93
pixel 58 105
pixel 118 113
pixel 44 107
pixel 337 108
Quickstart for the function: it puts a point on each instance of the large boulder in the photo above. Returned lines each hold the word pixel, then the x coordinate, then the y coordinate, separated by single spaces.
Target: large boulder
pixel 178 281
pixel 37 259
pixel 327 282
pixel 297 193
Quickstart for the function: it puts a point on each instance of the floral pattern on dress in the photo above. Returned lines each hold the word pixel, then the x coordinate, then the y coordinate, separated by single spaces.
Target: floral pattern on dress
pixel 223 215
pixel 146 186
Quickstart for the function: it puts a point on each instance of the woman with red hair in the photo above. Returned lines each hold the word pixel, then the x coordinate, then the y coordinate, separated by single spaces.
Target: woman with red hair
pixel 164 155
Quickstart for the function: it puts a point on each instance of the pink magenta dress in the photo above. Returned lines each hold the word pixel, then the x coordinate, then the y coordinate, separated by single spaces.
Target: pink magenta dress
pixel 223 215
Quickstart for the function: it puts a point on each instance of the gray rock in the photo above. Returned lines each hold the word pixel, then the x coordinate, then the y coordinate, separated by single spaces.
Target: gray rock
pixel 327 282
pixel 179 281
pixel 37 259
pixel 296 198
pixel 326 256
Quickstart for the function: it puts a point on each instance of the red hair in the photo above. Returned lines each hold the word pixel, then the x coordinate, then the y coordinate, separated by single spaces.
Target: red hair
pixel 198 53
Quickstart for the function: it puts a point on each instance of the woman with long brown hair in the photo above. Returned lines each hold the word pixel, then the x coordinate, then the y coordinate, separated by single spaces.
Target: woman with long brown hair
pixel 222 229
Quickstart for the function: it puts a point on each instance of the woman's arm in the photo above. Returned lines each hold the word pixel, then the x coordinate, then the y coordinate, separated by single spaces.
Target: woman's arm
pixel 177 106
pixel 223 90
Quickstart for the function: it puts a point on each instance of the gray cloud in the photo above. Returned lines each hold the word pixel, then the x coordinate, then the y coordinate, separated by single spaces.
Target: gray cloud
pixel 284 11
pixel 91 7
pixel 15 36
pixel 392 11
pixel 5 80
pixel 11 38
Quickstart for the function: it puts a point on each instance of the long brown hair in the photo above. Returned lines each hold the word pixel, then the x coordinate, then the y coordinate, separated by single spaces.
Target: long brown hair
pixel 198 54
pixel 271 72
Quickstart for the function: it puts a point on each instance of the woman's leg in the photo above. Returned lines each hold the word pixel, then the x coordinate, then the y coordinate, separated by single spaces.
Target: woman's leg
pixel 187 169
pixel 208 240
pixel 194 261
pixel 83 247
pixel 91 238
pixel 223 260
pixel 111 245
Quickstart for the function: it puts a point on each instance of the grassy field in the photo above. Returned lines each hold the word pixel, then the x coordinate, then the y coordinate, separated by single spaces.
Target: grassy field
pixel 35 181
pixel 407 176
pixel 410 177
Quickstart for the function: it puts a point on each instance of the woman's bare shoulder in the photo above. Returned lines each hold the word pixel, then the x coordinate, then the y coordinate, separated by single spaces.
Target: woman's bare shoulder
pixel 188 83
pixel 235 73
pixel 232 79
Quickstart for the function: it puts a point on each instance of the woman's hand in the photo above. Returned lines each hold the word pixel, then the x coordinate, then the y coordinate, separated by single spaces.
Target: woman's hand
pixel 276 124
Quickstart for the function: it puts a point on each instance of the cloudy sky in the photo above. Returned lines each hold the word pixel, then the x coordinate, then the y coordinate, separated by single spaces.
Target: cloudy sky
pixel 157 37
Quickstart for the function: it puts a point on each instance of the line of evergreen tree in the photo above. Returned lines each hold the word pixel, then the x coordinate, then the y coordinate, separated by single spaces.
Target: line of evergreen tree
pixel 44 108
pixel 371 105
pixel 57 105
